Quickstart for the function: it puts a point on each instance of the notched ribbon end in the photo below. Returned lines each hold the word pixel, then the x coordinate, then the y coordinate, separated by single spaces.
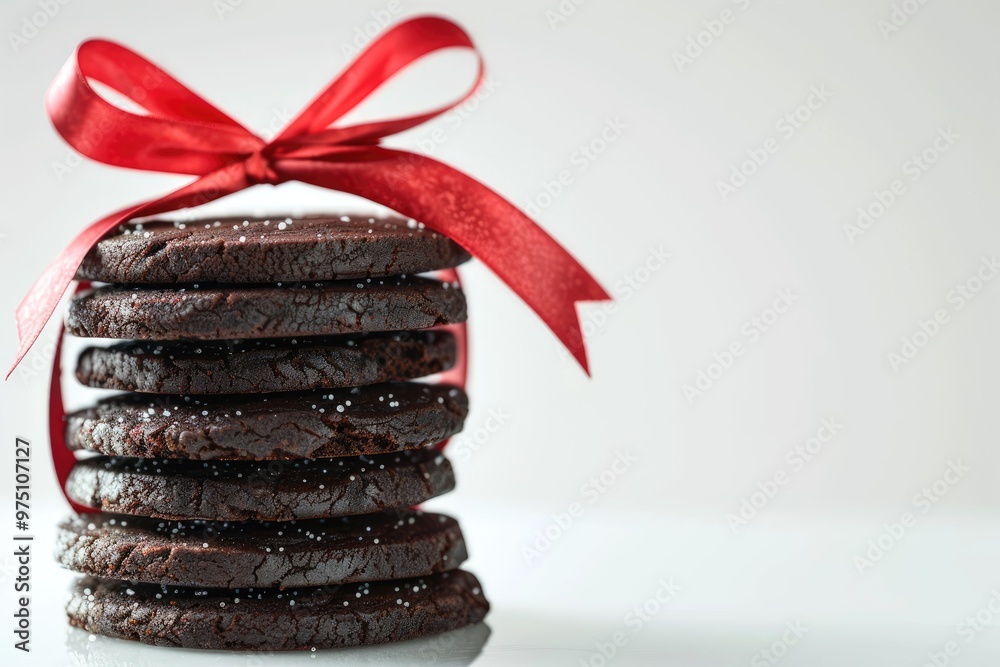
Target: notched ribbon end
pixel 579 347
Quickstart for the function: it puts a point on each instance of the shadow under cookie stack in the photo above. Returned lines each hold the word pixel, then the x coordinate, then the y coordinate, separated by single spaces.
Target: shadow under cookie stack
pixel 255 480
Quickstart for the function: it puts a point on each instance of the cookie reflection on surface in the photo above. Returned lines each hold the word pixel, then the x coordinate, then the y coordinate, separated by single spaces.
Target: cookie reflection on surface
pixel 455 648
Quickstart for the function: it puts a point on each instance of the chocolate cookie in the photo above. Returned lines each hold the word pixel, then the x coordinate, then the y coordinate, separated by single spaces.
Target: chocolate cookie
pixel 273 491
pixel 213 312
pixel 216 554
pixel 262 366
pixel 278 620
pixel 256 250
pixel 376 419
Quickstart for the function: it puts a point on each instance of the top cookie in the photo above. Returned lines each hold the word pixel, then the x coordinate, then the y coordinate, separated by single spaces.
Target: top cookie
pixel 255 250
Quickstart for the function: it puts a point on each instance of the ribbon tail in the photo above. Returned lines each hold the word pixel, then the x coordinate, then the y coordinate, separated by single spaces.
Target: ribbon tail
pixel 63 459
pixel 37 307
pixel 521 253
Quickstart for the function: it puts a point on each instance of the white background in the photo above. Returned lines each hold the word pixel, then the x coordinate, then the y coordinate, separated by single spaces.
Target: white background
pixel 558 81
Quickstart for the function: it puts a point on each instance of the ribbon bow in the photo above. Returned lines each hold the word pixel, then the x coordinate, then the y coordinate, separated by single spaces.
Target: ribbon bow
pixel 184 134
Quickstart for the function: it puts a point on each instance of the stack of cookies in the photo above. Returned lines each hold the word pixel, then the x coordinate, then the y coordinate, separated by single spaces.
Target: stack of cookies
pixel 255 482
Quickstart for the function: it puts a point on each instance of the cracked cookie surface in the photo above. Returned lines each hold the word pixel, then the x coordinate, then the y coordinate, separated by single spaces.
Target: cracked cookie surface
pixel 292 619
pixel 376 419
pixel 265 491
pixel 313 552
pixel 248 250
pixel 223 312
pixel 267 365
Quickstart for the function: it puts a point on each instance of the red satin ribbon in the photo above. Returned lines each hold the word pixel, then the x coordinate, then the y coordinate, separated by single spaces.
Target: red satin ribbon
pixel 184 134
pixel 63 459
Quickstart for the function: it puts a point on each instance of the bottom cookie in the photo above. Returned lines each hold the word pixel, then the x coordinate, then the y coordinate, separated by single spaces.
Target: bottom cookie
pixel 278 620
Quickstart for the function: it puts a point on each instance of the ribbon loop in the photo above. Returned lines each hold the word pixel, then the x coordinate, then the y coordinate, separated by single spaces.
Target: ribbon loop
pixel 136 78
pixel 398 47
pixel 188 136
